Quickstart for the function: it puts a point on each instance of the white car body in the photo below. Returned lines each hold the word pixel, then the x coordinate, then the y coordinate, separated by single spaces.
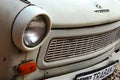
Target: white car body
pixel 84 36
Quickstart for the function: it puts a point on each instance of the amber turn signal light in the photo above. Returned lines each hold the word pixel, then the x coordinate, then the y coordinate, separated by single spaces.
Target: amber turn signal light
pixel 27 68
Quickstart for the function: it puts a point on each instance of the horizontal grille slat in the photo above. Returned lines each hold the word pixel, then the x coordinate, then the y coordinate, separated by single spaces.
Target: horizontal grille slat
pixel 64 48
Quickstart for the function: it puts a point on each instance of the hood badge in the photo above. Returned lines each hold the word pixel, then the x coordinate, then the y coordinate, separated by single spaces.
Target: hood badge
pixel 100 9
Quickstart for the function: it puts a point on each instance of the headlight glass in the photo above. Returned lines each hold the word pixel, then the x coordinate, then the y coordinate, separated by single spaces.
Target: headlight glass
pixel 35 31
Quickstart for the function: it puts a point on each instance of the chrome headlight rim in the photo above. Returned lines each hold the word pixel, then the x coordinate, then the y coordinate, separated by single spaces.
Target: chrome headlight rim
pixel 21 22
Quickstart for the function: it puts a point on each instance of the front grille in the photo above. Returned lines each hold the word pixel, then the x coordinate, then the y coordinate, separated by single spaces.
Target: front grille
pixel 64 48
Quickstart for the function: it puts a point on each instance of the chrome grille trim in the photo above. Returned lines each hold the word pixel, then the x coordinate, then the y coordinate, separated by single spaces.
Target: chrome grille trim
pixel 69 47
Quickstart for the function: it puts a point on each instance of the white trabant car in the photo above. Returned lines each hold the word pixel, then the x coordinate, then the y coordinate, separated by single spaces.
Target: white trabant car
pixel 59 39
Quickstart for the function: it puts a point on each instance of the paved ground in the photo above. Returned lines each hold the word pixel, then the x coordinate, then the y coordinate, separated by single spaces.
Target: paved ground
pixel 115 75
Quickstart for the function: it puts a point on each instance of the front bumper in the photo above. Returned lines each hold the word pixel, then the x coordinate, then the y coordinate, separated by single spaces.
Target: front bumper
pixel 72 75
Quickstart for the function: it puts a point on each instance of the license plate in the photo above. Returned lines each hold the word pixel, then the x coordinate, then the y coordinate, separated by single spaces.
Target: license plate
pixel 97 74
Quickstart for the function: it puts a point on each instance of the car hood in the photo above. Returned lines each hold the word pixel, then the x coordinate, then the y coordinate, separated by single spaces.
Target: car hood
pixel 80 13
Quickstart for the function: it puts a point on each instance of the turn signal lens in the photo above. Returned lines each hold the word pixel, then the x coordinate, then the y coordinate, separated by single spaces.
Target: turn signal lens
pixel 27 68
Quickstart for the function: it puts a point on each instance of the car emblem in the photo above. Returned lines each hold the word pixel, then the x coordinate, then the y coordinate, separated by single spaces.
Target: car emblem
pixel 100 8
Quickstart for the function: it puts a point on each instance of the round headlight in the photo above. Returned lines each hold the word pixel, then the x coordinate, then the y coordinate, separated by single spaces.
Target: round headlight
pixel 35 31
pixel 30 29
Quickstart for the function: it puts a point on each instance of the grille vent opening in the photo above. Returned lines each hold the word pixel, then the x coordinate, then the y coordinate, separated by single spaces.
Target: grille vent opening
pixel 69 47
